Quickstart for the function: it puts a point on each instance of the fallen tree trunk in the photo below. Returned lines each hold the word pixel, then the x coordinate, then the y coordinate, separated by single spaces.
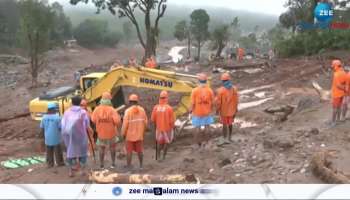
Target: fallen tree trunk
pixel 107 177
pixel 321 167
pixel 14 117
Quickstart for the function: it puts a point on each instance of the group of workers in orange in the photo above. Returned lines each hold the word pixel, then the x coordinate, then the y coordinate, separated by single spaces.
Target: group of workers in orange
pixel 204 105
pixel 77 122
pixel 340 92
pixel 135 121
pixel 150 63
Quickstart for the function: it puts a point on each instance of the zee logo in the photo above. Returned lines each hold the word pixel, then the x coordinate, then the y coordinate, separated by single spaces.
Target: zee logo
pixel 116 191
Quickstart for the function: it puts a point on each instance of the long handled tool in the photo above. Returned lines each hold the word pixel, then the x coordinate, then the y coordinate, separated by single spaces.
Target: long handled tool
pixel 92 145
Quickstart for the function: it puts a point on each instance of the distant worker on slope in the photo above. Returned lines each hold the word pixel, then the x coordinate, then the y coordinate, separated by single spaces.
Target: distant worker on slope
pixel 338 90
pixel 226 104
pixel 133 62
pixel 116 64
pixel 240 54
pixel 164 120
pixel 107 121
pixel 133 129
pixel 51 129
pixel 202 107
pixel 151 63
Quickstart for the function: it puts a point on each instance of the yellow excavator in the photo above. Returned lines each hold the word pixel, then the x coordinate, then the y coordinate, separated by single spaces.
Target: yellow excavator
pixel 93 85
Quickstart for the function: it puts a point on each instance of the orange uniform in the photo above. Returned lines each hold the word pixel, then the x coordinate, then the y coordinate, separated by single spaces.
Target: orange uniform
pixel 106 120
pixel 134 124
pixel 226 104
pixel 347 86
pixel 151 63
pixel 202 101
pixel 163 117
pixel 339 80
pixel 227 101
pixel 240 54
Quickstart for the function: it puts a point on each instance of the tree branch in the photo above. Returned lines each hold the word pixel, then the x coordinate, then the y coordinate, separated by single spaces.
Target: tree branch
pixel 161 11
pixel 128 12
pixel 140 3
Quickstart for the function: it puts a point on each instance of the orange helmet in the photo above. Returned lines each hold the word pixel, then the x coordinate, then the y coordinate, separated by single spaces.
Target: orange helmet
pixel 133 97
pixel 202 77
pixel 336 63
pixel 83 103
pixel 163 94
pixel 225 77
pixel 106 95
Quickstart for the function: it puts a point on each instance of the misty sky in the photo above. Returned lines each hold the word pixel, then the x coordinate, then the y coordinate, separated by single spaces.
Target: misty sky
pixel 274 7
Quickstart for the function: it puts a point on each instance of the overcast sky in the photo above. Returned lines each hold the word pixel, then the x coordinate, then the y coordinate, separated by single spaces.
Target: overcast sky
pixel 274 7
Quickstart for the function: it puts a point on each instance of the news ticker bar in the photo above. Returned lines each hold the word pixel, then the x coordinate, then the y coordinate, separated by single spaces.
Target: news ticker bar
pixel 174 191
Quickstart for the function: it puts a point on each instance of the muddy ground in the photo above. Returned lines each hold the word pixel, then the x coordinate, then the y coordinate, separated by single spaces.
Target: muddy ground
pixel 270 151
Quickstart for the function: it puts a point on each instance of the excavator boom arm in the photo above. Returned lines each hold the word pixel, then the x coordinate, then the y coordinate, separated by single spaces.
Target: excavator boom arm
pixel 144 78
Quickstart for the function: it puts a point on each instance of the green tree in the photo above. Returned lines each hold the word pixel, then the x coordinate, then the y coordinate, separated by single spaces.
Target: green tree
pixel 182 32
pixel 62 25
pixel 249 42
pixel 235 31
pixel 298 11
pixel 199 28
pixel 128 8
pixel 35 25
pixel 95 33
pixel 9 22
pixel 91 32
pixel 127 30
pixel 220 37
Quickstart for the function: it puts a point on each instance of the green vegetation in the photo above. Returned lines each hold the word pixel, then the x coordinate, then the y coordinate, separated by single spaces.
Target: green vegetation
pixel 95 33
pixel 288 40
pixel 182 32
pixel 36 22
pixel 199 28
pixel 149 36
pixel 11 15
pixel 220 37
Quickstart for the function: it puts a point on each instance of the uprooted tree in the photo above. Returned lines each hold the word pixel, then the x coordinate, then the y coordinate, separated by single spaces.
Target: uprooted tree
pixel 35 24
pixel 128 8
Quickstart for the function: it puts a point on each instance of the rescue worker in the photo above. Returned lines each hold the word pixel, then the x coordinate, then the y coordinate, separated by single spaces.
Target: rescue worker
pixel 51 129
pixel 240 54
pixel 164 122
pixel 116 64
pixel 226 105
pixel 151 63
pixel 75 123
pixel 202 107
pixel 107 120
pixel 133 129
pixel 133 62
pixel 338 90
